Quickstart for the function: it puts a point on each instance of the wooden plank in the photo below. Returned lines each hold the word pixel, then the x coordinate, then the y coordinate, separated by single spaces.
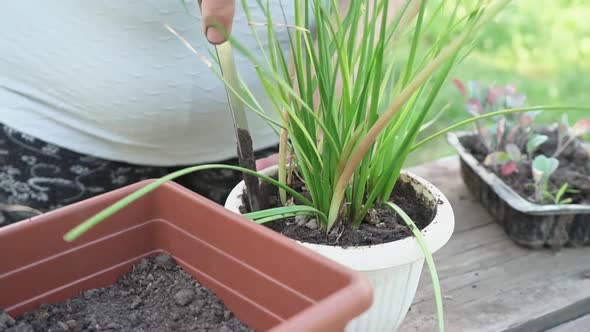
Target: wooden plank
pixel 581 324
pixel 491 284
pixel 444 173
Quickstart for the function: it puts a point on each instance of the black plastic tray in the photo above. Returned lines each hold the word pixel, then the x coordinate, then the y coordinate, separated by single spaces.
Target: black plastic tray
pixel 526 223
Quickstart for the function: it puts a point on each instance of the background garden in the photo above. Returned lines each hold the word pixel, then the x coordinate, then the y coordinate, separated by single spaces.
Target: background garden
pixel 541 46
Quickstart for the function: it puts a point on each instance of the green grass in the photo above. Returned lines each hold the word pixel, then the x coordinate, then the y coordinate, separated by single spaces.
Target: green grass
pixel 543 48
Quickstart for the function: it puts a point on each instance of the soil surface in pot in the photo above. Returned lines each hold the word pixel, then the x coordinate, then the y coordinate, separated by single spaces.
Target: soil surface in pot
pixel 157 295
pixel 381 225
pixel 574 168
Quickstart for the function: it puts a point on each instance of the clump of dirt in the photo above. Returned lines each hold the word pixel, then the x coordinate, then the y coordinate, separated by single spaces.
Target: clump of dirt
pixel 157 295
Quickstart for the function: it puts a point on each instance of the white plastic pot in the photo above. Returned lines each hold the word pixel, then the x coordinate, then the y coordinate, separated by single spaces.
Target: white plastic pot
pixel 393 268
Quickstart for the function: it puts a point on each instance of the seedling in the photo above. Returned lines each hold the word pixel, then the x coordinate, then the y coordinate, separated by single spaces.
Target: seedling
pixel 534 142
pixel 579 129
pixel 558 198
pixel 510 128
pixel 511 139
pixel 542 169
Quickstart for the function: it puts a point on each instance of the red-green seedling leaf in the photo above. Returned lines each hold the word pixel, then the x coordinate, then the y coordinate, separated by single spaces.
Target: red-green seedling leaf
pixel 493 95
pixel 509 168
pixel 565 122
pixel 526 120
pixel 510 138
pixel 516 101
pixel 496 158
pixel 513 152
pixel 581 127
pixel 534 142
pixel 459 86
pixel 563 127
pixel 511 89
pixel 500 130
pixel 485 135
pixel 543 167
pixel 474 90
pixel 474 107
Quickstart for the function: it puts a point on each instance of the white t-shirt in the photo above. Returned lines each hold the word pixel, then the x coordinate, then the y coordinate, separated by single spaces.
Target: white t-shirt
pixel 105 78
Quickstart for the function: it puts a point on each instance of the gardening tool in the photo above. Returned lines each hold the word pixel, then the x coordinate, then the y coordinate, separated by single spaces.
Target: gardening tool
pixel 246 157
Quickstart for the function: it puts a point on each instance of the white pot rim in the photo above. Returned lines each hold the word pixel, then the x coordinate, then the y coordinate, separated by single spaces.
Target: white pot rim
pixel 380 256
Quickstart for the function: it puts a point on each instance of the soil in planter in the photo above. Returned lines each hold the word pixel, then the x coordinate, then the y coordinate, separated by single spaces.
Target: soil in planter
pixel 381 225
pixel 157 295
pixel 574 168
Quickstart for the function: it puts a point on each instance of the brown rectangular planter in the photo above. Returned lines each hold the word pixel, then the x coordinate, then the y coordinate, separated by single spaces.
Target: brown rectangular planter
pixel 526 223
pixel 268 281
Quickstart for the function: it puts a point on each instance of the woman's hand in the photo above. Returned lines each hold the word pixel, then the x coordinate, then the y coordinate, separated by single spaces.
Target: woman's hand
pixel 217 13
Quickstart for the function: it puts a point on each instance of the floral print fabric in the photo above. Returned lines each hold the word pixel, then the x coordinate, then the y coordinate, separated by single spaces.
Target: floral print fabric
pixel 39 175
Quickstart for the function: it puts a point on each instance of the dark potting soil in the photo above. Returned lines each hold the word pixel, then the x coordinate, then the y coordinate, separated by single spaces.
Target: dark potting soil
pixel 157 295
pixel 381 225
pixel 574 168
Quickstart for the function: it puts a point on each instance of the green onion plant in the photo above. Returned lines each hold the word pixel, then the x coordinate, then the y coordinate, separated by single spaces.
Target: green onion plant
pixel 353 91
pixel 351 94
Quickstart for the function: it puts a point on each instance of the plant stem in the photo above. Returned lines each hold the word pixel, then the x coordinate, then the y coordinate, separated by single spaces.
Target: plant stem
pixel 561 148
pixel 283 163
pixel 429 262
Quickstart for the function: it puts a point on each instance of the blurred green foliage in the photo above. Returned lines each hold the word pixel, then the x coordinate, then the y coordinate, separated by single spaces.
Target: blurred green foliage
pixel 541 46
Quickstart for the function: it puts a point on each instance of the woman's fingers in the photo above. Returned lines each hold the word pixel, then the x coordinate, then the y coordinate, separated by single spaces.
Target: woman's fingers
pixel 217 13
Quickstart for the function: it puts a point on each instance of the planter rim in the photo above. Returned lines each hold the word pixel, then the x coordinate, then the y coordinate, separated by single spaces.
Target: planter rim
pixel 390 254
pixel 503 190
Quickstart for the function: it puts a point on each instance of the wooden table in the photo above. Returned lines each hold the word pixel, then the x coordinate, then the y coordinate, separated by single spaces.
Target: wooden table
pixel 491 284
